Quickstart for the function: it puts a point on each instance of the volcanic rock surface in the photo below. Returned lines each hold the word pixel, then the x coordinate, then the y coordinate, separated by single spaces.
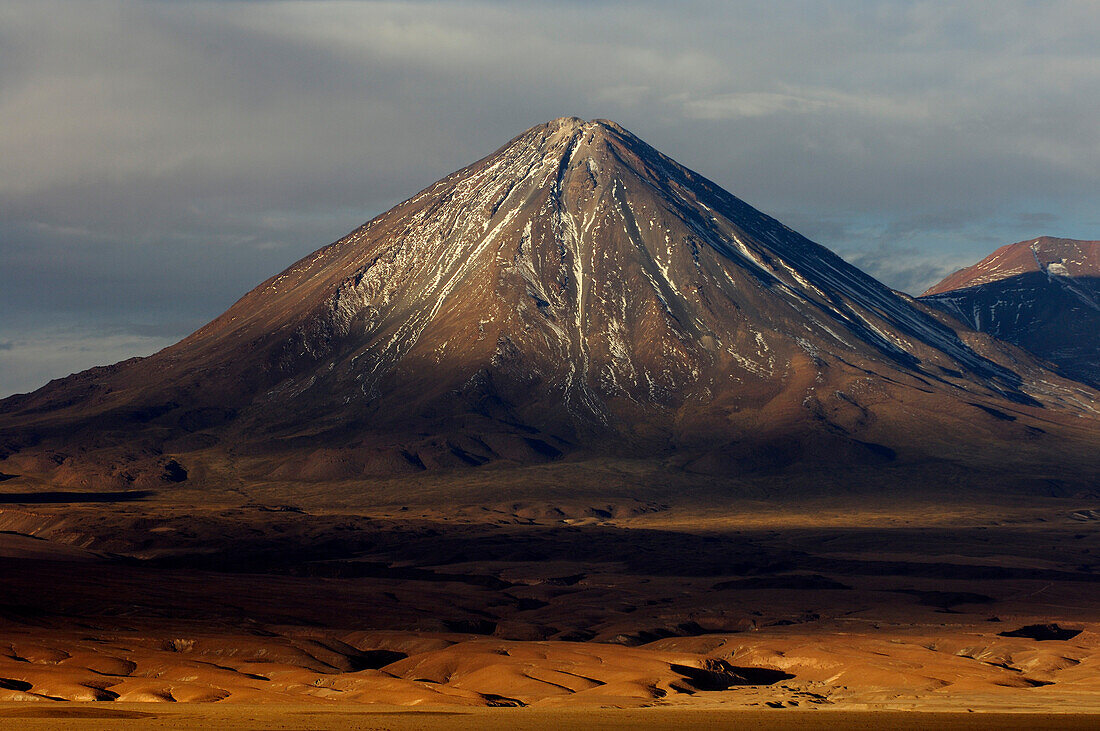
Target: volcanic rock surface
pixel 1041 294
pixel 575 293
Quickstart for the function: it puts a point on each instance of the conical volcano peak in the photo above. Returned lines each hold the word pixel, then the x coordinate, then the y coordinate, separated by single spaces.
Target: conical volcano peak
pixel 580 257
pixel 570 141
pixel 572 125
pixel 589 156
pixel 563 123
pixel 575 285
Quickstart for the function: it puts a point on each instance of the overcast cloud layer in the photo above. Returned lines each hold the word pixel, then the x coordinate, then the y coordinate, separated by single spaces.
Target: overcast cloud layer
pixel 158 159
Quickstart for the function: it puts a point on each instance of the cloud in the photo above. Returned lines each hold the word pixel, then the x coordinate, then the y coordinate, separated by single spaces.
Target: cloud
pixel 751 104
pixel 908 269
pixel 806 102
pixel 1037 218
pixel 40 356
pixel 911 253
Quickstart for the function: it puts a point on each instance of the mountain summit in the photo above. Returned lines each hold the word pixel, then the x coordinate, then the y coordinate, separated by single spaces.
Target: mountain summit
pixel 575 292
pixel 1041 294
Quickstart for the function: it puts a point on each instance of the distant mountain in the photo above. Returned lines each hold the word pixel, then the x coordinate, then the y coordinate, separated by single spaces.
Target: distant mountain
pixel 575 293
pixel 1041 294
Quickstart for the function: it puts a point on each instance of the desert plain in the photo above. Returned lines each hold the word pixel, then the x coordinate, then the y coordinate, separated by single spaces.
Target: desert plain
pixel 272 606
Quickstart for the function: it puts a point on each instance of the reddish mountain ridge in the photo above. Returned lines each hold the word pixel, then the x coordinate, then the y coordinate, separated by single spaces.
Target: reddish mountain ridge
pixel 1042 295
pixel 574 293
pixel 1057 257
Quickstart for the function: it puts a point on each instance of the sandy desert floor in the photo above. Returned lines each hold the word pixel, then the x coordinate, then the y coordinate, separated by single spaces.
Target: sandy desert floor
pixel 262 614
pixel 276 717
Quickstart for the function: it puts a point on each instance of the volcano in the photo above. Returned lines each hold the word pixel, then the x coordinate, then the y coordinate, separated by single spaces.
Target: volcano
pixel 1042 294
pixel 575 293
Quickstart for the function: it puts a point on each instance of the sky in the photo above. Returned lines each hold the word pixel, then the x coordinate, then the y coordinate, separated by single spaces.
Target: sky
pixel 158 159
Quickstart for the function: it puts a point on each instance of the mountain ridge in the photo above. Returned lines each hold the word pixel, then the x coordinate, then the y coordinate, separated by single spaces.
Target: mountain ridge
pixel 1069 257
pixel 1041 294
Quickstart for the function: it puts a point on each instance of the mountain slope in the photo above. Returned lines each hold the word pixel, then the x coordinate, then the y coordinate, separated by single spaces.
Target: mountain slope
pixel 1041 294
pixel 576 292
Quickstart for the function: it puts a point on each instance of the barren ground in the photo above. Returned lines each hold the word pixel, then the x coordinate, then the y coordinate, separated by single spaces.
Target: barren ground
pixel 273 608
